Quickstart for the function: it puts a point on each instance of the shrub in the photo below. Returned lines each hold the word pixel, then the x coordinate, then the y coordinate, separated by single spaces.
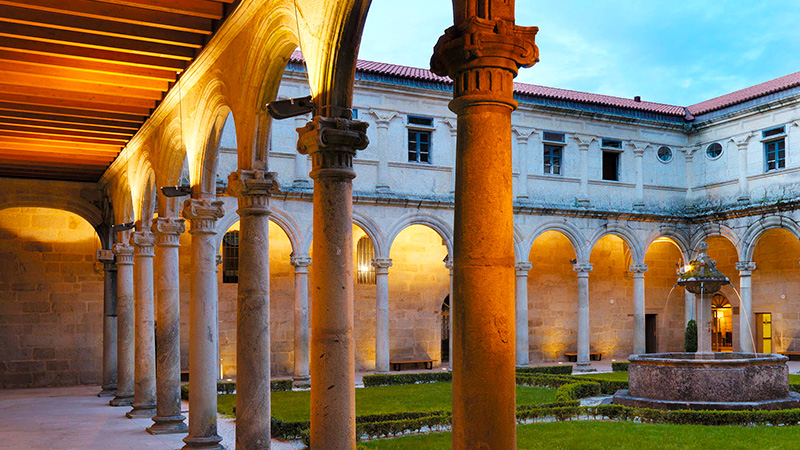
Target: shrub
pixel 406 378
pixel 619 366
pixel 574 391
pixel 229 387
pixel 565 369
pixel 690 338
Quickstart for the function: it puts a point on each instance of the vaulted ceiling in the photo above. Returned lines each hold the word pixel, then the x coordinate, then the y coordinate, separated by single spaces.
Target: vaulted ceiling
pixel 78 78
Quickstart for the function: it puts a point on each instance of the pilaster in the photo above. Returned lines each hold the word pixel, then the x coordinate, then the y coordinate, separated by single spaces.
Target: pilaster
pixel 301 377
pixel 521 313
pixel 747 332
pixel 381 266
pixel 126 359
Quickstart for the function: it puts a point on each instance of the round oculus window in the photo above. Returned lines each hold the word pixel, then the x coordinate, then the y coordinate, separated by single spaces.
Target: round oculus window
pixel 714 150
pixel 664 154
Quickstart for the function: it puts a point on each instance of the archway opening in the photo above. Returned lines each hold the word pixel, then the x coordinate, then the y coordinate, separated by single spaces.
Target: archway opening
pixel 722 250
pixel 446 330
pixel 611 298
pixel 665 304
pixel 721 324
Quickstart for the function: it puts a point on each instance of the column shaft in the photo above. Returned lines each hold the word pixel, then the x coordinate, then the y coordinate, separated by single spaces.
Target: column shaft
pixel 451 339
pixel 168 417
pixel 704 323
pixel 301 335
pixel 109 329
pixel 638 153
pixel 203 325
pixel 744 190
pixel 125 326
pixel 746 317
pixel 690 302
pixel 639 338
pixel 382 314
pixel 144 400
pixel 521 296
pixel 583 364
pixel 522 149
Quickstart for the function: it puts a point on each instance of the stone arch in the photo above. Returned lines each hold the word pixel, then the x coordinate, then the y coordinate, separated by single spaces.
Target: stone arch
pixel 215 106
pixel 373 231
pixel 53 200
pixel 170 160
pixel 673 234
pixel 572 233
pixel 757 229
pixel 148 205
pixel 279 217
pixel 623 232
pixel 715 229
pixel 420 218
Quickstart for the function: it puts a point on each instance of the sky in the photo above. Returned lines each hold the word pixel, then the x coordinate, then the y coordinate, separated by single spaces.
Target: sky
pixel 672 52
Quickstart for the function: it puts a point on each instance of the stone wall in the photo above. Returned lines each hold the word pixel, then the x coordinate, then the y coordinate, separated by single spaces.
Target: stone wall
pixel 51 299
pixel 611 299
pixel 668 304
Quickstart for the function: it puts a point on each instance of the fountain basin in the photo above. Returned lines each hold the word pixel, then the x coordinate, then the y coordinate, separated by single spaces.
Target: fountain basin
pixel 730 381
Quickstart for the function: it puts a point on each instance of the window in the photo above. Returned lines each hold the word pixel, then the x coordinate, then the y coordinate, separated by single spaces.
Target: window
pixel 365 252
pixel 774 148
pixel 611 166
pixel 612 143
pixel 714 150
pixel 355 114
pixel 419 139
pixel 553 149
pixel 230 257
pixel 664 154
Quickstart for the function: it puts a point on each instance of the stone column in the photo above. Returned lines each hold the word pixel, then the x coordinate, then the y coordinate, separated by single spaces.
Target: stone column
pixel 746 317
pixel 109 328
pixel 332 143
pixel 382 121
pixel 144 399
pixel 583 159
pixel 688 154
pixel 125 326
pixel 639 339
pixel 583 270
pixel 301 162
pixel 521 298
pixel 482 54
pixel 522 136
pixel 690 302
pixel 382 313
pixel 704 323
pixel 168 417
pixel 638 155
pixel 741 144
pixel 253 188
pixel 203 324
pixel 452 126
pixel 301 377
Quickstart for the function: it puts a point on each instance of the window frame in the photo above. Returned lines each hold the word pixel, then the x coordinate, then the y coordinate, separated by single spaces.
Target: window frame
pixel 418 129
pixel 614 148
pixel 721 151
pixel 671 154
pixel 774 139
pixel 230 258
pixel 365 271
pixel 553 144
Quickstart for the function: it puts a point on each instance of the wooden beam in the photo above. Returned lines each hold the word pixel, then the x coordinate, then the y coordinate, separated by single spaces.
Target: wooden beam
pixel 111 139
pixel 42 98
pixel 100 26
pixel 73 139
pixel 96 41
pixel 199 8
pixel 52 73
pixel 103 67
pixel 55 157
pixel 33 81
pixel 46 145
pixel 118 13
pixel 70 175
pixel 91 54
pixel 62 126
pixel 78 151
pixel 67 120
pixel 88 97
pixel 77 113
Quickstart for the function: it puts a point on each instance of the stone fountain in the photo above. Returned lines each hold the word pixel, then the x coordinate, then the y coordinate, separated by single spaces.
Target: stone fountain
pixel 706 380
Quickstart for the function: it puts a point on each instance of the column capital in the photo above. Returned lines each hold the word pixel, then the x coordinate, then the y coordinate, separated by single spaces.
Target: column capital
pixel 202 214
pixel 382 265
pixel 742 140
pixel 300 261
pixel 452 125
pixel 582 268
pixel 522 267
pixel 332 143
pixel 584 141
pixel 688 152
pixel 109 266
pixel 168 231
pixel 523 134
pixel 143 243
pixel 383 118
pixel 124 254
pixel 638 148
pixel 745 268
pixel 638 268
pixel 253 188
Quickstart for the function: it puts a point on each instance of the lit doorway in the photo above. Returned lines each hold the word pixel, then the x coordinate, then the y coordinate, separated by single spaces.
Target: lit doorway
pixel 721 324
pixel 650 342
pixel 446 329
pixel 764 332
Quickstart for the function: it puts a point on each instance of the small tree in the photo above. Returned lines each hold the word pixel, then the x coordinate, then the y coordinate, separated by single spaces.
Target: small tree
pixel 690 344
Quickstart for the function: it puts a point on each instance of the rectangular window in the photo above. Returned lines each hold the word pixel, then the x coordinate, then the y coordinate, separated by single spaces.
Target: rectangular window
pixel 774 148
pixel 553 137
pixel 355 114
pixel 230 257
pixel 612 143
pixel 420 130
pixel 611 166
pixel 553 151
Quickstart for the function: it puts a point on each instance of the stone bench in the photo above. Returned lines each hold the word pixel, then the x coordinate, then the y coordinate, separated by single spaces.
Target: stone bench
pixel 593 356
pixel 397 364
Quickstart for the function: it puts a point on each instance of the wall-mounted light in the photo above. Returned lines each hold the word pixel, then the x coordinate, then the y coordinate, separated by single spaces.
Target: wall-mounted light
pixel 291 107
pixel 122 227
pixel 176 191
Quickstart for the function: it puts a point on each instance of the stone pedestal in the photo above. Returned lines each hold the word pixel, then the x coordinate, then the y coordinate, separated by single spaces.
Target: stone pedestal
pixel 253 189
pixel 583 364
pixel 482 53
pixel 521 296
pixel 125 326
pixel 332 143
pixel 168 417
pixel 144 399
pixel 203 325
pixel 301 378
pixel 382 313
pixel 109 329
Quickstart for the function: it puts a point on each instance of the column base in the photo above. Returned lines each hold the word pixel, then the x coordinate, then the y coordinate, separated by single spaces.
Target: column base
pixel 168 425
pixel 301 382
pixel 142 411
pixel 583 202
pixel 638 205
pixel 743 199
pixel 584 367
pixel 204 442
pixel 383 189
pixel 523 197
pixel 121 401
pixel 522 366
pixel 110 391
pixel 301 183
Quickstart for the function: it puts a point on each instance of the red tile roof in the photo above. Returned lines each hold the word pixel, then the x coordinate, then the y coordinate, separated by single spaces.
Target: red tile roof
pixel 415 73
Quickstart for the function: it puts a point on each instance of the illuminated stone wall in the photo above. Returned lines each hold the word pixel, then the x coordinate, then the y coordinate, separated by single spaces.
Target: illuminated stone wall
pixel 51 299
pixel 611 299
pixel 668 304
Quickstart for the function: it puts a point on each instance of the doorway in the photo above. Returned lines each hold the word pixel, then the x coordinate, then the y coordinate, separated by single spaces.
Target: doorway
pixel 764 332
pixel 721 324
pixel 446 329
pixel 650 324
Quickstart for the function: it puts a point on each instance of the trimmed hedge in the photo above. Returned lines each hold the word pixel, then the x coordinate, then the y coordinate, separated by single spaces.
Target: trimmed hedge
pixel 619 366
pixel 574 391
pixel 229 387
pixel 406 378
pixel 565 369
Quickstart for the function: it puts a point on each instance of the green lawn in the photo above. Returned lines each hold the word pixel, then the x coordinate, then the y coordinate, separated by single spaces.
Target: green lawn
pixel 619 436
pixel 294 405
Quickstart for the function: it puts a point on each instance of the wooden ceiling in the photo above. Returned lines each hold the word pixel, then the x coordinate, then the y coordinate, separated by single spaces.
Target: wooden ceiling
pixel 79 77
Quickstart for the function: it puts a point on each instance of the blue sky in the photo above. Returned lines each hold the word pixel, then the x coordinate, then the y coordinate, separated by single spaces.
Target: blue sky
pixel 671 52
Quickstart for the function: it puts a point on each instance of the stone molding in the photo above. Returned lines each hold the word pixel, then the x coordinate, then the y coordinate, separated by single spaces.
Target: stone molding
pixel 168 231
pixel 143 243
pixel 745 268
pixel 584 141
pixel 202 215
pixel 124 254
pixel 523 134
pixel 382 265
pixel 300 262
pixel 638 148
pixel 688 153
pixel 742 140
pixel 332 143
pixel 638 268
pixel 253 188
pixel 522 268
pixel 109 266
pixel 383 118
pixel 582 268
